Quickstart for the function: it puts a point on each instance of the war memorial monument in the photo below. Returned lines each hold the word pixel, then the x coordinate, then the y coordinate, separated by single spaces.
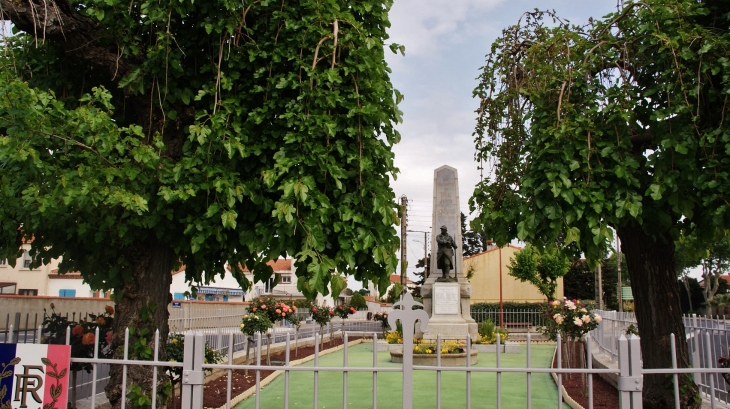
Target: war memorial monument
pixel 446 292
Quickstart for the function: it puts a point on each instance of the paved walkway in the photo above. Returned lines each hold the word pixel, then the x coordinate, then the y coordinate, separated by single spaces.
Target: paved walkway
pixel 453 384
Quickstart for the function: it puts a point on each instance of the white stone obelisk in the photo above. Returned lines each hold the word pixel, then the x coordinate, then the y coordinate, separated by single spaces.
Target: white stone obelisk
pixel 447 303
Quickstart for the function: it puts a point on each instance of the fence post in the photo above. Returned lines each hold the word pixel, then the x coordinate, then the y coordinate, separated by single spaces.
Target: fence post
pixel 694 355
pixel 16 325
pixel 630 382
pixel 193 375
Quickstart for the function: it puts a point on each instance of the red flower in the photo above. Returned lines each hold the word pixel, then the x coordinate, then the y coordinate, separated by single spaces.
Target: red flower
pixel 78 330
pixel 88 339
pixel 314 310
pixel 108 338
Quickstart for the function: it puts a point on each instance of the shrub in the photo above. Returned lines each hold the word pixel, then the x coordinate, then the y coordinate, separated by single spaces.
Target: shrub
pixel 570 318
pixel 255 322
pixel 394 337
pixel 358 302
pixel 383 318
pixel 447 347
pixel 344 311
pixel 488 333
pixel 83 336
pixel 321 314
pixel 275 310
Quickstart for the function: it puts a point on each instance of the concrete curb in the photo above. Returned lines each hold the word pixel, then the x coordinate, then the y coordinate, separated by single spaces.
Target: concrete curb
pixel 252 390
pixel 566 398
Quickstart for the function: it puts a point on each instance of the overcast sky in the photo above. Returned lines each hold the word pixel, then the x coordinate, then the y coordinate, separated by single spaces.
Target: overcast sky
pixel 446 43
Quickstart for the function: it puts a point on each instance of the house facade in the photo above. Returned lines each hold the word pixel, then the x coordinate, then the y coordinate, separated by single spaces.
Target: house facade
pixel 490 277
pixel 23 280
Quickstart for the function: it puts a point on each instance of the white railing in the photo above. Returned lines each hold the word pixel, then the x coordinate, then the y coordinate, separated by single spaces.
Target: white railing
pixel 628 366
pixel 511 318
pixel 708 339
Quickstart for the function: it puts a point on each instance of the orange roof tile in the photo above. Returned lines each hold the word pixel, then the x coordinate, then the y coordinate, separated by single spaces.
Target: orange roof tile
pixel 282 264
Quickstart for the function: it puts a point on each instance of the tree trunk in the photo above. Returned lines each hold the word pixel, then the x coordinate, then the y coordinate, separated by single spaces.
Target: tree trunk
pixel 658 313
pixel 142 304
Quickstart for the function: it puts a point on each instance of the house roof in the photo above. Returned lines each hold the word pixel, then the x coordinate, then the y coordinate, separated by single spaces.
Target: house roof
pixel 282 264
pixel 69 276
pixel 491 250
pixel 395 278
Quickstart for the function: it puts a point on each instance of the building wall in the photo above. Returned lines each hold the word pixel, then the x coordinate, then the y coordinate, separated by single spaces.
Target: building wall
pixel 27 279
pixel 485 279
pixel 56 284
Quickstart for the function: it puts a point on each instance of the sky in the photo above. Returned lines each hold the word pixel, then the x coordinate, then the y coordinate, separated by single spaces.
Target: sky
pixel 446 43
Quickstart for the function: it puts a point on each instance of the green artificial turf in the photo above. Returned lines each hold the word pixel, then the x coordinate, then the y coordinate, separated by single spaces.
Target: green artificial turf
pixel 390 385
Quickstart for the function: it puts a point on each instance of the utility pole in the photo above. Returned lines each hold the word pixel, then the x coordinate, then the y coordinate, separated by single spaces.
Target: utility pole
pixel 620 295
pixel 599 286
pixel 425 250
pixel 403 234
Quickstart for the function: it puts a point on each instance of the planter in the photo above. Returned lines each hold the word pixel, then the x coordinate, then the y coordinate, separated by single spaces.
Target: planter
pixel 430 359
pixel 384 346
pixel 506 348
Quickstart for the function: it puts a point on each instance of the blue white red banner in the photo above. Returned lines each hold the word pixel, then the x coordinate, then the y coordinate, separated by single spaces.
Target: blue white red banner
pixel 34 376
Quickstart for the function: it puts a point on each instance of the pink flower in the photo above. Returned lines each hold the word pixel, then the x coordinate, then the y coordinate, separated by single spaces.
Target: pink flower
pixel 578 322
pixel 108 337
pixel 598 318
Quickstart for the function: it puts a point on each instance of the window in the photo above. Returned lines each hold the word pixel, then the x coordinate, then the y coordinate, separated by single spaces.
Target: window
pixel 269 285
pixel 178 296
pixel 225 298
pixel 27 260
pixel 67 293
pixel 286 279
pixel 7 288
pixel 27 292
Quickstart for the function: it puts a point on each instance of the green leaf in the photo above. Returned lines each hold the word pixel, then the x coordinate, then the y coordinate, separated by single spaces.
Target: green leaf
pixel 229 219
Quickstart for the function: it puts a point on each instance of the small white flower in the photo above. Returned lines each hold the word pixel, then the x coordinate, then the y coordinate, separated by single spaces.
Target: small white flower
pixel 586 318
pixel 578 322
pixel 598 318
pixel 583 310
pixel 570 304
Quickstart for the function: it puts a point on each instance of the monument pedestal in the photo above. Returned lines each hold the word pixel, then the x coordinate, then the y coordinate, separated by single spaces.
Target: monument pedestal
pixel 449 311
pixel 446 318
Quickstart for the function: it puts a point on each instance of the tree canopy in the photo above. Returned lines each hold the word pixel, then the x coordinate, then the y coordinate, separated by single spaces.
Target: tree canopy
pixel 540 268
pixel 233 132
pixel 136 136
pixel 616 125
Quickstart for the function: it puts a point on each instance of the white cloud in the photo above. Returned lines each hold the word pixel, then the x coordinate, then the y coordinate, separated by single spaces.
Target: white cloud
pixel 425 26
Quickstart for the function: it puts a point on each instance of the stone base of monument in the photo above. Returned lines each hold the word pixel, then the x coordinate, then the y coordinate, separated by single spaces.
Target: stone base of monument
pixel 447 319
pixel 430 359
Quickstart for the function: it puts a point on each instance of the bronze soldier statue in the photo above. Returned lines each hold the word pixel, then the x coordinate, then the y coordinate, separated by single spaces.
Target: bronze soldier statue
pixel 445 254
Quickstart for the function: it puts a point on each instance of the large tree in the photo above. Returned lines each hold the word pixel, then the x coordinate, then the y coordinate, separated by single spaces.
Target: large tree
pixel 617 125
pixel 139 135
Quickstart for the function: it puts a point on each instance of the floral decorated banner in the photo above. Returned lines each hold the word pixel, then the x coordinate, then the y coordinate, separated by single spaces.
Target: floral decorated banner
pixel 34 376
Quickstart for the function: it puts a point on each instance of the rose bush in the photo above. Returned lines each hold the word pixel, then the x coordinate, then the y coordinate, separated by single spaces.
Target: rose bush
pixel 570 318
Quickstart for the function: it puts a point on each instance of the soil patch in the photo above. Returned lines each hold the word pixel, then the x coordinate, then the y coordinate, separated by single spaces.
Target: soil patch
pixel 214 393
pixel 605 396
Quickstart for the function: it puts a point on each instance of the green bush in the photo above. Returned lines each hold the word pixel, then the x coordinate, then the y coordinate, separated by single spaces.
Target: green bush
pixel 358 301
pixel 494 306
pixel 488 333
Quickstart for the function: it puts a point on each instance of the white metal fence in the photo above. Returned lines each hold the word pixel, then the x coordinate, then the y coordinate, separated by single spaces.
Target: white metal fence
pixel 708 340
pixel 511 318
